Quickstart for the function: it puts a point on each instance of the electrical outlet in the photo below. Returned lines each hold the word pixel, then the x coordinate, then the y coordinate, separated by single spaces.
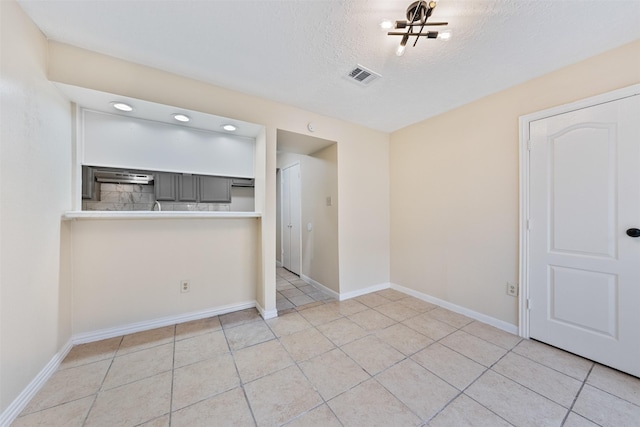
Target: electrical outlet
pixel 185 286
pixel 512 289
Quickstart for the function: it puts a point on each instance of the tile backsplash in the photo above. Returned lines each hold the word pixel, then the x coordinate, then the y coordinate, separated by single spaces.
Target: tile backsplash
pixel 135 197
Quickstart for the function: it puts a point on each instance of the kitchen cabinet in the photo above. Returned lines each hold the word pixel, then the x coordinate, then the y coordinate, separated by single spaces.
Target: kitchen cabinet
pixel 164 184
pixel 173 187
pixel 88 182
pixel 214 189
pixel 187 188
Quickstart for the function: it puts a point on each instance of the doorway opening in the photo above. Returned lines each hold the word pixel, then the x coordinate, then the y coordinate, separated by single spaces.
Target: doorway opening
pixel 306 220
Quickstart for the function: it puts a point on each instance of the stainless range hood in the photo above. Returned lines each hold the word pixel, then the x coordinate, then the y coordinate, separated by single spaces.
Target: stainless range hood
pixel 123 177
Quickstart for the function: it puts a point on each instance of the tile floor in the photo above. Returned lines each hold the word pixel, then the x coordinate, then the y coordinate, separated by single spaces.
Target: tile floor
pixel 380 359
pixel 292 292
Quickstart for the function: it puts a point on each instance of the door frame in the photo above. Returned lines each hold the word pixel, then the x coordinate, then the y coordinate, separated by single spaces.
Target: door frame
pixel 296 163
pixel 524 147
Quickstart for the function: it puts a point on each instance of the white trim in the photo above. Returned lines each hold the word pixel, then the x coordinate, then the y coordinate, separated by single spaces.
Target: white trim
pixel 524 122
pixel 583 103
pixel 158 323
pixel 357 293
pixel 266 314
pixel 279 264
pixel 22 400
pixel 523 270
pixel 319 286
pixel 500 324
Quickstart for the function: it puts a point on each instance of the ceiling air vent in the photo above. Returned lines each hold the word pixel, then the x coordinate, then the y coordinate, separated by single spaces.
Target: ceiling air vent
pixel 362 75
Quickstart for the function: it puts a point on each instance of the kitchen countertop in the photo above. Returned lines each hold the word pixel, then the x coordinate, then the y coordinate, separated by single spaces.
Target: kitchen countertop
pixel 72 215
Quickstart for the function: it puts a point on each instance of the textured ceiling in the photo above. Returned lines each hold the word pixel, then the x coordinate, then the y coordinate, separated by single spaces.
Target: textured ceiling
pixel 297 51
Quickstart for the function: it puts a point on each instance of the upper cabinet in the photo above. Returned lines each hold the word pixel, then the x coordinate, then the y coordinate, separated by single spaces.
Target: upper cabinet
pixel 164 184
pixel 188 188
pixel 215 189
pixel 173 187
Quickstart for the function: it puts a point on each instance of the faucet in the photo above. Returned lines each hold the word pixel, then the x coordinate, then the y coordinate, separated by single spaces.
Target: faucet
pixel 156 203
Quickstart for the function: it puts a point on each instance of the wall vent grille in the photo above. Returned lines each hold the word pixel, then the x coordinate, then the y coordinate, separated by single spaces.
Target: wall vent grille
pixel 362 75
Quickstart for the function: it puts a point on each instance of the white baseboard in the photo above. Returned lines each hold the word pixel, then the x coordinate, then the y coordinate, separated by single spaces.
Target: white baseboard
pixel 266 314
pixel 19 403
pixel 374 288
pixel 158 323
pixel 319 286
pixel 500 324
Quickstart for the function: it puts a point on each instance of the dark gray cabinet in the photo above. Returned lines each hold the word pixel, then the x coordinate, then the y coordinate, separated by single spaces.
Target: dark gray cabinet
pixel 215 189
pixel 88 182
pixel 173 187
pixel 164 186
pixel 187 188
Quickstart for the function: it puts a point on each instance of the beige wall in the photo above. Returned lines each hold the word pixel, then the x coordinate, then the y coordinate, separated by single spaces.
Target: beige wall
pixel 454 186
pixel 265 291
pixel 323 240
pixel 363 187
pixel 129 271
pixel 319 180
pixel 35 179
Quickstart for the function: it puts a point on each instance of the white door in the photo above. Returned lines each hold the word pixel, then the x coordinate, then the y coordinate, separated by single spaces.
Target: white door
pixel 584 268
pixel 291 232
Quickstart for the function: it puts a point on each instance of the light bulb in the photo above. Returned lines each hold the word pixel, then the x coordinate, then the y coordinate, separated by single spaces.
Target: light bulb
pixel 229 128
pixel 386 24
pixel 403 44
pixel 444 35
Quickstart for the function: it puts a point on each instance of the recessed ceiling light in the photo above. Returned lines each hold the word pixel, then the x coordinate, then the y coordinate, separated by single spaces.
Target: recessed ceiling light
pixel 122 106
pixel 181 117
pixel 229 128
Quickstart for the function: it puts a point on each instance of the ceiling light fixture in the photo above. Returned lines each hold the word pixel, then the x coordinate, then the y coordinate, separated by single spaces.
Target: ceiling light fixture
pixel 417 14
pixel 229 127
pixel 122 106
pixel 181 118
